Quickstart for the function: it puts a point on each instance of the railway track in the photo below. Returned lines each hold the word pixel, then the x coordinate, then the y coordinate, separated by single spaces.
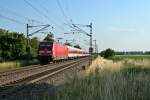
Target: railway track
pixel 16 76
pixel 13 86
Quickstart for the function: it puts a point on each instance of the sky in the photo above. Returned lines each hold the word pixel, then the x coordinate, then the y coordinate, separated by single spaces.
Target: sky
pixel 122 25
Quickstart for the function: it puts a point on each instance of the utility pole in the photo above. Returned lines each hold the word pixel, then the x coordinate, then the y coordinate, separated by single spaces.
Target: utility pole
pixel 27 30
pixel 27 34
pixel 95 46
pixel 90 49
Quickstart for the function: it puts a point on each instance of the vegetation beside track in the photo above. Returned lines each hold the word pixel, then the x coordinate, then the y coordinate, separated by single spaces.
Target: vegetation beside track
pixel 108 80
pixel 15 51
pixel 14 46
pixel 133 57
pixel 5 66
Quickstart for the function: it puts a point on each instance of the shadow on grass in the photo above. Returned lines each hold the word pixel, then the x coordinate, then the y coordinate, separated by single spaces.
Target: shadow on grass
pixel 132 69
pixel 27 92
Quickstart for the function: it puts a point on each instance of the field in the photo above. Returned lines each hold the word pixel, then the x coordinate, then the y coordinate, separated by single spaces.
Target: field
pixel 123 78
pixel 133 57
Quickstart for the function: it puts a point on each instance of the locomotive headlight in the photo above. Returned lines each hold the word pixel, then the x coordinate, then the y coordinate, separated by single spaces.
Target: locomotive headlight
pixel 48 51
pixel 41 51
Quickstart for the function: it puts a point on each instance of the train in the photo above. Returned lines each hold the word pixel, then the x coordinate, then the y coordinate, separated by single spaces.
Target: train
pixel 49 51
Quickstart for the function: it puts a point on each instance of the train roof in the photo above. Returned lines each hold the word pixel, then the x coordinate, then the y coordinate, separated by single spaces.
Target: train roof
pixel 69 47
pixel 74 48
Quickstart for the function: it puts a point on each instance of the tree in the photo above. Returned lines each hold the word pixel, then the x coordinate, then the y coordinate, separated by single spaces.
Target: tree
pixel 49 37
pixel 68 44
pixel 147 53
pixel 77 46
pixel 18 43
pixel 13 46
pixel 34 42
pixel 107 53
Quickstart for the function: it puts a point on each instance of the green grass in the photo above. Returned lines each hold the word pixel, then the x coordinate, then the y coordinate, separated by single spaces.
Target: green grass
pixel 133 57
pixel 128 84
pixel 131 82
pixel 5 66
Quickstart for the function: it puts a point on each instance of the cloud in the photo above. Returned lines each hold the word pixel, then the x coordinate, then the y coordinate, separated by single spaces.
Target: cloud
pixel 127 30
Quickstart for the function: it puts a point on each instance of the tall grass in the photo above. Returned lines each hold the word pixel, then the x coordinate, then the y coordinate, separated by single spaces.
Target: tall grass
pixel 133 57
pixel 137 60
pixel 8 66
pixel 4 66
pixel 106 85
pixel 130 82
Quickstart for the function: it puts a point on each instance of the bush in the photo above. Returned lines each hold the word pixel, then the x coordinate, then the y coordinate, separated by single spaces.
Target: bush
pixel 107 53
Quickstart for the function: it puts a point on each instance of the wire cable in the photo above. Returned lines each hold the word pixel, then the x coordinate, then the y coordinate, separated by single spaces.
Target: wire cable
pixel 68 10
pixel 20 15
pixel 47 11
pixel 63 13
pixel 41 13
pixel 10 19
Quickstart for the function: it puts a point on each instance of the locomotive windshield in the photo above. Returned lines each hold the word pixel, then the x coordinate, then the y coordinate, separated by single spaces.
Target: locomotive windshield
pixel 45 46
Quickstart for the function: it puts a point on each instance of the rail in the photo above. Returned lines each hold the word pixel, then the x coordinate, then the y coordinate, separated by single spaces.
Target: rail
pixel 27 74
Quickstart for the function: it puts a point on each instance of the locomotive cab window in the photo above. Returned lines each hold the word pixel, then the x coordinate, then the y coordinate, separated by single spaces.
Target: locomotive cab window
pixel 45 46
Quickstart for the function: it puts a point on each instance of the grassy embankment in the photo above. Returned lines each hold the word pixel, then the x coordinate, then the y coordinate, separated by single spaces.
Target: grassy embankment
pixel 126 79
pixel 5 66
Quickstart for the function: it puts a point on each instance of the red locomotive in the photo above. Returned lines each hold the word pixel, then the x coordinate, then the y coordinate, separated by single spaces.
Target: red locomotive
pixel 52 51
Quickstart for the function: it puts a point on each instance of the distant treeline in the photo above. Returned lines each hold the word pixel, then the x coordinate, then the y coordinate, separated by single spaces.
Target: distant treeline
pixel 14 46
pixel 132 53
pixel 108 53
